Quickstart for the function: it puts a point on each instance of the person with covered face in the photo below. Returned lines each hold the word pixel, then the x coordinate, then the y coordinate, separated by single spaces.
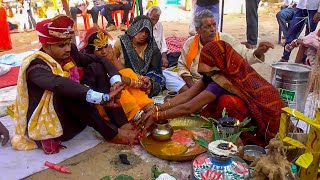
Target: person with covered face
pixel 55 102
pixel 137 50
pixel 229 82
pixel 134 99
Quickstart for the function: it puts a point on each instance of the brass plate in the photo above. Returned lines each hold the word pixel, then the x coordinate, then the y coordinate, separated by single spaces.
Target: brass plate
pixel 189 123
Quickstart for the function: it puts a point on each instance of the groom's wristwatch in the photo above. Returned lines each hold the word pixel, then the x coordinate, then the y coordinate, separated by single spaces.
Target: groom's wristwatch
pixel 105 97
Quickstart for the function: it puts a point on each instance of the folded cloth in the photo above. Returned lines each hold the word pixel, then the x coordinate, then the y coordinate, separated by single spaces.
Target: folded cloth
pixel 10 78
pixel 175 44
pixel 4 69
pixel 14 59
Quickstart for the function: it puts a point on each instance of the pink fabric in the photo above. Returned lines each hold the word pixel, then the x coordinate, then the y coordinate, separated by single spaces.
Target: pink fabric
pixel 74 74
pixel 175 44
pixel 311 40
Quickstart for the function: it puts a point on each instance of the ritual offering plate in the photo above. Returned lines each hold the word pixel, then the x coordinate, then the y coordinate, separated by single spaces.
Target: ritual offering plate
pixel 181 146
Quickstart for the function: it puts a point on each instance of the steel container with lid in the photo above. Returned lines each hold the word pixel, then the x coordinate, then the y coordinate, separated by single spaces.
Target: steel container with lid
pixel 292 81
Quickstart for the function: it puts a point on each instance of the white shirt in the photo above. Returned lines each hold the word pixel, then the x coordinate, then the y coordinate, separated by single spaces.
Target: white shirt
pixel 309 4
pixel 158 35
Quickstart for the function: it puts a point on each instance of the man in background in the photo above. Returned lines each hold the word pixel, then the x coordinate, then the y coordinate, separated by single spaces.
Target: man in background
pixel 308 12
pixel 114 5
pixel 83 7
pixel 285 15
pixel 252 23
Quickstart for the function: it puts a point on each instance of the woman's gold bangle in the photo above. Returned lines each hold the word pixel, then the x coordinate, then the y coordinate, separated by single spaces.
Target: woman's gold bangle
pixel 157 108
pixel 157 115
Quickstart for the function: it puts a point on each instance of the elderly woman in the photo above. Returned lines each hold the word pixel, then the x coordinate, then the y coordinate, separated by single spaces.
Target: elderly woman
pixel 134 99
pixel 137 50
pixel 228 82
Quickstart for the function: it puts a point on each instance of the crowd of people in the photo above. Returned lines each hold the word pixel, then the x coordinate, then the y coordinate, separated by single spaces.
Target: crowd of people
pixel 62 88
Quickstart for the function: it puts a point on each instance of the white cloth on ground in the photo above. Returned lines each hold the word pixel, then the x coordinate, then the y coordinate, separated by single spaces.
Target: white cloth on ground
pixel 20 164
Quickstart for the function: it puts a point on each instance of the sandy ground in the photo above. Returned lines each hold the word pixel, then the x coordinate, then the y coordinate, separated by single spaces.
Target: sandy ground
pixel 103 159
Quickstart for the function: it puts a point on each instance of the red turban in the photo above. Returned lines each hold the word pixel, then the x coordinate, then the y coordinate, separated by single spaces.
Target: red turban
pixel 55 30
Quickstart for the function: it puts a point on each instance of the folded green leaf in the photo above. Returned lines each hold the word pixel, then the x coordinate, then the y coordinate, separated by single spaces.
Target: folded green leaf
pixel 245 122
pixel 233 138
pixel 123 177
pixel 201 141
pixel 215 134
pixel 247 129
pixel 207 126
pixel 155 171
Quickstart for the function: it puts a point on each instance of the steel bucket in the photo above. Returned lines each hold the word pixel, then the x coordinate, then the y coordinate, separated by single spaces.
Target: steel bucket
pixel 292 81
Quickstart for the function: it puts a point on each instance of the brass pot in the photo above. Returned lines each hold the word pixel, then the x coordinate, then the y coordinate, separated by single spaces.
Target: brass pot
pixel 163 131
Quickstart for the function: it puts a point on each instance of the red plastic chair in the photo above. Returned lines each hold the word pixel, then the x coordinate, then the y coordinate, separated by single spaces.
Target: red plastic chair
pixel 115 14
pixel 86 20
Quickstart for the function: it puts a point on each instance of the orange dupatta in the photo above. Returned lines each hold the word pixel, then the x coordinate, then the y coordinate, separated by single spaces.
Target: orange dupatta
pixel 231 71
pixel 194 48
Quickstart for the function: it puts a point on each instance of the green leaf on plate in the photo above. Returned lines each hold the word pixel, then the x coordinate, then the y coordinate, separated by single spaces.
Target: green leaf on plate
pixel 201 141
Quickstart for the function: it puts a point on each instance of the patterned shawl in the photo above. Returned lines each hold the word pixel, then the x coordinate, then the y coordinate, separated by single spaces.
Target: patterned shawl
pixel 151 64
pixel 140 67
pixel 231 71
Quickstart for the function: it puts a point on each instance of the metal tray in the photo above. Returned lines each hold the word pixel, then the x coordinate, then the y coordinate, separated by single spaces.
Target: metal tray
pixel 188 123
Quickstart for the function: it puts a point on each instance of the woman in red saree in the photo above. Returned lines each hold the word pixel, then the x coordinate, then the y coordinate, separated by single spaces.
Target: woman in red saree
pixel 228 82
pixel 5 41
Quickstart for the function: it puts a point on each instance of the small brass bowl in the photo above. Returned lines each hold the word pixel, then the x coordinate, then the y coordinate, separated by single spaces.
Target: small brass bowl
pixel 163 131
pixel 252 152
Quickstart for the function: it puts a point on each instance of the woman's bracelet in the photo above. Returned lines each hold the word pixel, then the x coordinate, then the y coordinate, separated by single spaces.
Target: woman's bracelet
pixel 157 108
pixel 130 82
pixel 157 116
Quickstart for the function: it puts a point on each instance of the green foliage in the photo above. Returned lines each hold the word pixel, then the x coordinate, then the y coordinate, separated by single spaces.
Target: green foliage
pixel 224 113
pixel 247 129
pixel 209 120
pixel 106 178
pixel 120 177
pixel 233 138
pixel 201 141
pixel 215 134
pixel 245 122
pixel 221 134
pixel 155 172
